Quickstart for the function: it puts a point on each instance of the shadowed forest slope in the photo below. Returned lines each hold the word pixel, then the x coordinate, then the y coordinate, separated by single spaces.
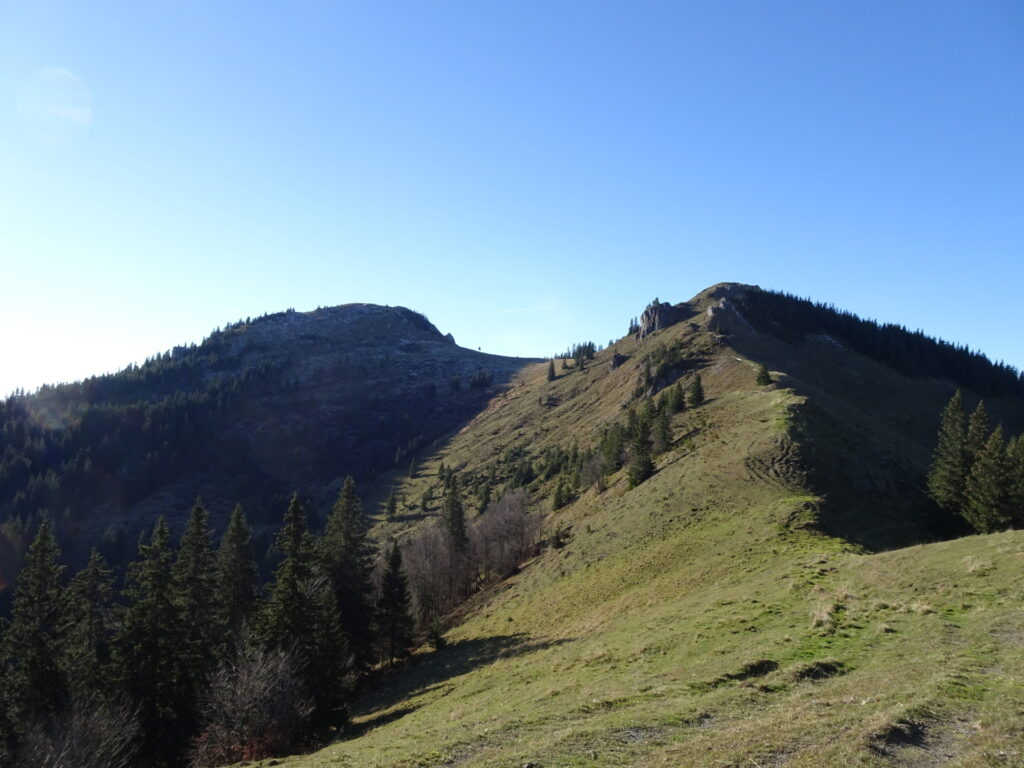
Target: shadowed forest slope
pixel 752 602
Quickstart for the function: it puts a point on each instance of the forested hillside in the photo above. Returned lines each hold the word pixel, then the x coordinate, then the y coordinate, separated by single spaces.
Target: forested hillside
pixel 695 546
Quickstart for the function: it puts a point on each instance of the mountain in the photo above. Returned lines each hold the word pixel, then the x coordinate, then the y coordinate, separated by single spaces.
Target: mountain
pixel 754 577
pixel 293 401
pixel 763 598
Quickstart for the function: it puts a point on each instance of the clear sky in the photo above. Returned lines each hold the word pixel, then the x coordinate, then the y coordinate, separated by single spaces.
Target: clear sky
pixel 527 174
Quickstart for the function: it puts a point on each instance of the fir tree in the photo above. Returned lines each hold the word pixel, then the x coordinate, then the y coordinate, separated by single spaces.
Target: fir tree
pixel 394 621
pixel 988 487
pixel 35 640
pixel 551 370
pixel 695 395
pixel 236 586
pixel 764 378
pixel 153 653
pixel 454 515
pixel 348 557
pixel 91 630
pixel 949 462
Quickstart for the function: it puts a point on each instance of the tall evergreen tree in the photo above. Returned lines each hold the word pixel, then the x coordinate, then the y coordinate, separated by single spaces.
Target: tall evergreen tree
pixel 1015 463
pixel 393 618
pixel 348 558
pixel 641 465
pixel 551 370
pixel 92 629
pixel 35 641
pixel 977 434
pixel 236 583
pixel 153 652
pixel 677 400
pixel 391 507
pixel 454 514
pixel 988 487
pixel 301 615
pixel 764 377
pixel 949 468
pixel 695 395
pixel 195 585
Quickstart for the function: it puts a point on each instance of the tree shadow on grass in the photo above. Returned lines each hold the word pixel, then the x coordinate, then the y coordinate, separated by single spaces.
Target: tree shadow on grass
pixel 427 672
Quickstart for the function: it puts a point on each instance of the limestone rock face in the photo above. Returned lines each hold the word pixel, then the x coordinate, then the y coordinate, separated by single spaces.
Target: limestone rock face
pixel 658 315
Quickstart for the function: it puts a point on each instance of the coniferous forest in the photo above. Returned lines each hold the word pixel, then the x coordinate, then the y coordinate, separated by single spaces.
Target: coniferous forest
pixel 191 660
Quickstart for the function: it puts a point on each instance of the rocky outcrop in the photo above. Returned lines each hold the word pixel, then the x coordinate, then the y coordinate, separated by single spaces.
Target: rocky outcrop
pixel 657 316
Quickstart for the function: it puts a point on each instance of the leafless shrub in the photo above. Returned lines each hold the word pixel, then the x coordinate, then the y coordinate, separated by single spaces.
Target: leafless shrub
pixel 505 535
pixel 441 575
pixel 256 707
pixel 89 735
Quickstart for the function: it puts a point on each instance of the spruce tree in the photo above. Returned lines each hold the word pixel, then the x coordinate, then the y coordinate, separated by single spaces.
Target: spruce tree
pixel 237 576
pixel 454 515
pixel 1015 464
pixel 35 641
pixel 391 507
pixel 551 370
pixel 764 377
pixel 348 556
pixel 195 585
pixel 988 487
pixel 153 652
pixel 662 431
pixel 92 629
pixel 949 468
pixel 695 395
pixel 394 621
pixel 301 615
pixel 641 465
pixel 677 400
pixel 977 434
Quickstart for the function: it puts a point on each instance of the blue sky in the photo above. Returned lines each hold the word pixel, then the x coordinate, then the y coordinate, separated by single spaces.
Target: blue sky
pixel 528 174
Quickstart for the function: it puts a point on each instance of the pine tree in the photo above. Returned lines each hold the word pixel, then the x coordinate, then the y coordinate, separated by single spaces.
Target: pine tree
pixel 394 620
pixel 949 468
pixel 695 395
pixel 391 507
pixel 153 653
pixel 764 378
pixel 236 585
pixel 551 370
pixel 195 585
pixel 988 487
pixel 347 556
pixel 454 515
pixel 91 630
pixel 35 641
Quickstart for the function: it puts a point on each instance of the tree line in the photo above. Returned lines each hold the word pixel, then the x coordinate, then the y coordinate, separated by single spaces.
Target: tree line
pixel 976 472
pixel 910 352
pixel 191 660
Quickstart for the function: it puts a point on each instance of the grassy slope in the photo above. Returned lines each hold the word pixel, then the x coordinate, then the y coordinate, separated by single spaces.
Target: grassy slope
pixel 682 622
